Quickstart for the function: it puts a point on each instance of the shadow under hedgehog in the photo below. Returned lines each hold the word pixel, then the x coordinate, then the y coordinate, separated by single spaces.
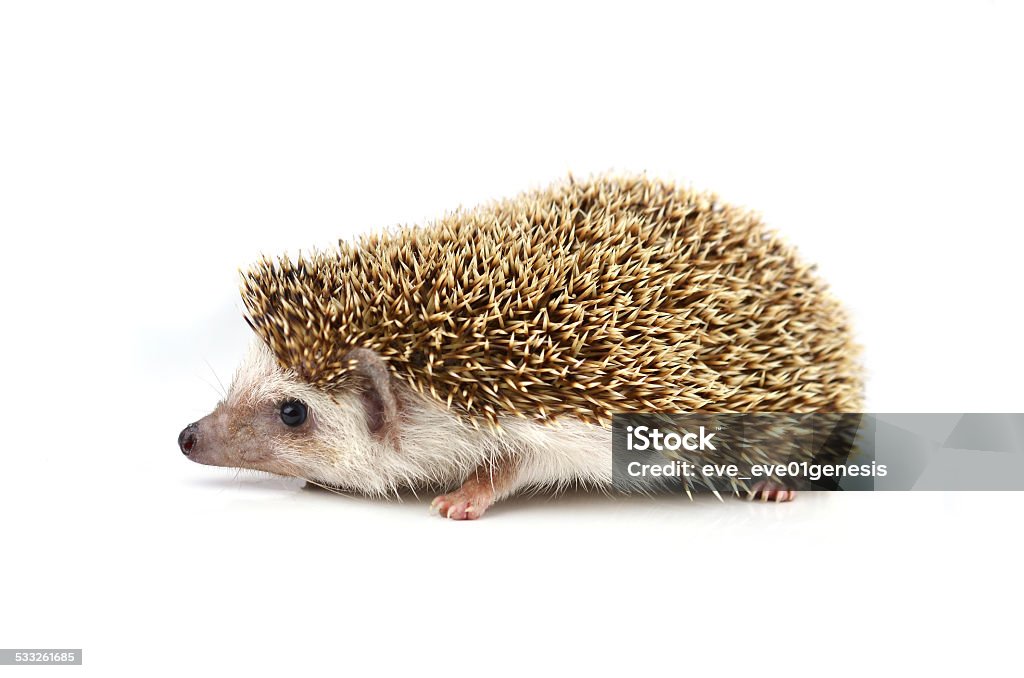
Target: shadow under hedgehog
pixel 484 354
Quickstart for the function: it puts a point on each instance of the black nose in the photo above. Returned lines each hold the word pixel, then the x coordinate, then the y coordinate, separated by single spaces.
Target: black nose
pixel 187 438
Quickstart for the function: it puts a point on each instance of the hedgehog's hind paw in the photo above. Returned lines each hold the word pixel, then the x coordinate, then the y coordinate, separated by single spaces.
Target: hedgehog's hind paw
pixel 766 491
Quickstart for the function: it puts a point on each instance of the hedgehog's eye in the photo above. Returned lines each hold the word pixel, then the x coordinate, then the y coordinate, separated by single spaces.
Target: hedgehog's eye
pixel 293 412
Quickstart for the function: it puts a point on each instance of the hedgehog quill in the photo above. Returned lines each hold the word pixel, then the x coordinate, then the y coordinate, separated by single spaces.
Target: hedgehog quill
pixel 484 354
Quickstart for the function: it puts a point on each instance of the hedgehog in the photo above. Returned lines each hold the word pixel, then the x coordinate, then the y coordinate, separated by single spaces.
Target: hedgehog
pixel 484 354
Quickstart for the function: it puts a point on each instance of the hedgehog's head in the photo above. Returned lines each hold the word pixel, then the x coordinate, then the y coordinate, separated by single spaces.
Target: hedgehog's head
pixel 273 421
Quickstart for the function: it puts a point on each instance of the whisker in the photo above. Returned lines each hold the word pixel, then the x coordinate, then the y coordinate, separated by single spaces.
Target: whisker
pixel 220 395
pixel 333 490
pixel 223 391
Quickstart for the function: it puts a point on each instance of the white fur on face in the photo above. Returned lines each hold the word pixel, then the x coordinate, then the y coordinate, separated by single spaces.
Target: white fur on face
pixel 437 448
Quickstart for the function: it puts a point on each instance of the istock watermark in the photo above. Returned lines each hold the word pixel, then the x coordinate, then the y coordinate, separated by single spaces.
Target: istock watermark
pixel 48 657
pixel 645 438
pixel 822 451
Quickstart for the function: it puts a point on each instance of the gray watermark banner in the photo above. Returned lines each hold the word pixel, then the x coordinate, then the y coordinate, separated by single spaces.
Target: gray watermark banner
pixel 48 657
pixel 737 453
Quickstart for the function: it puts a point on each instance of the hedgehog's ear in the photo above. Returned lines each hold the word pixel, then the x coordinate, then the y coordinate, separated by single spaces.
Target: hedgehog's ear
pixel 376 393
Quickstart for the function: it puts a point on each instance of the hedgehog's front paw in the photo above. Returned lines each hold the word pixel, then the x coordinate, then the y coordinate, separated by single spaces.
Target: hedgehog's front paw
pixel 466 503
pixel 766 490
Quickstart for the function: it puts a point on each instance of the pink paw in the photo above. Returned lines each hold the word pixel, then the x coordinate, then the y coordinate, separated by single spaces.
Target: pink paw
pixel 766 491
pixel 462 504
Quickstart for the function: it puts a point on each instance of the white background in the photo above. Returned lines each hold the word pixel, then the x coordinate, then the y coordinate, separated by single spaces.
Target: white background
pixel 149 150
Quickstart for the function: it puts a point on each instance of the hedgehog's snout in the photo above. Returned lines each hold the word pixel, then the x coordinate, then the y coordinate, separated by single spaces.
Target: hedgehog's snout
pixel 187 438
